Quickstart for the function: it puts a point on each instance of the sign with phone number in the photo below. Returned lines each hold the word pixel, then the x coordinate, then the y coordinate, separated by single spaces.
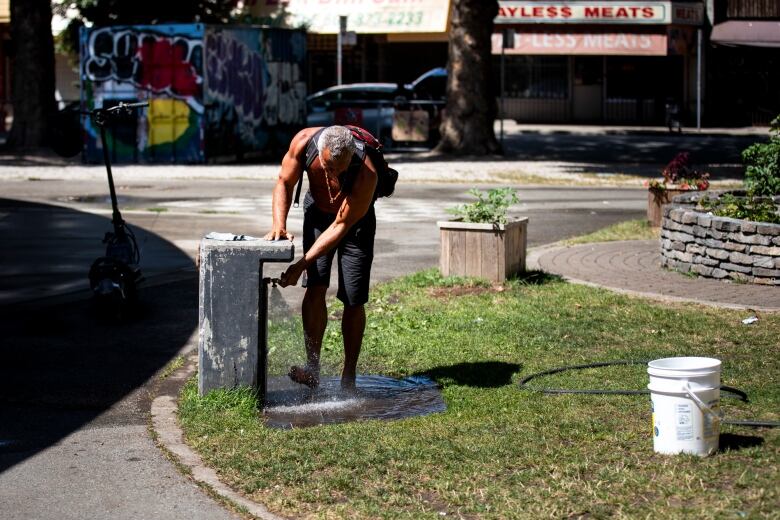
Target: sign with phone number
pixel 363 16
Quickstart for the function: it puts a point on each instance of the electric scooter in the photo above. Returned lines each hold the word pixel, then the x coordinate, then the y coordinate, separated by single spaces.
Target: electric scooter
pixel 114 277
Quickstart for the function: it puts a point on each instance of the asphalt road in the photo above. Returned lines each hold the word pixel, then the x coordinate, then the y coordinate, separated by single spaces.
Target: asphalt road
pixel 68 219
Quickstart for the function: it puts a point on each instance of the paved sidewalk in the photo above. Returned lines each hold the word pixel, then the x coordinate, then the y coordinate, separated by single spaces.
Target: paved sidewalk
pixel 634 267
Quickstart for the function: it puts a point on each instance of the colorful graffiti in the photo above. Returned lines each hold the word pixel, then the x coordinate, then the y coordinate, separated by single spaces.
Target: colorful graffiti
pixel 148 59
pixel 213 91
pixel 254 85
pixel 161 63
pixel 235 73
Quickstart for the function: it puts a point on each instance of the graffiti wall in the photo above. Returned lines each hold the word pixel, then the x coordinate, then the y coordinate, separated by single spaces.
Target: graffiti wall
pixel 213 92
pixel 159 63
pixel 255 92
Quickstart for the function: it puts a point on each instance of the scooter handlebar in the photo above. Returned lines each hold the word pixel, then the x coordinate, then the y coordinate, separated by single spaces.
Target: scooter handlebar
pixel 116 109
pixel 121 105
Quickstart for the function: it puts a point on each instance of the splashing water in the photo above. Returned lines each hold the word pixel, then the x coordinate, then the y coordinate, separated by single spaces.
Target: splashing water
pixel 290 405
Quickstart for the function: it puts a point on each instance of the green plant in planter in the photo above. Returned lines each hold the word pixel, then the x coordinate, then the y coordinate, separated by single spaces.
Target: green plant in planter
pixel 490 207
pixel 752 208
pixel 762 161
pixel 762 179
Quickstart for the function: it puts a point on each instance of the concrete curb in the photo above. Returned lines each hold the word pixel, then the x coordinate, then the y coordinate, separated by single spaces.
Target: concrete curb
pixel 532 263
pixel 169 435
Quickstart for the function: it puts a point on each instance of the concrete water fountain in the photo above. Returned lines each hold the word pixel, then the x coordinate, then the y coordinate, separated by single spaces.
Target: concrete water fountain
pixel 233 346
pixel 232 309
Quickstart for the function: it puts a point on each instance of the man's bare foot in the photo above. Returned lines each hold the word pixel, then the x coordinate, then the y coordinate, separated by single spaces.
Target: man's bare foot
pixel 348 384
pixel 304 376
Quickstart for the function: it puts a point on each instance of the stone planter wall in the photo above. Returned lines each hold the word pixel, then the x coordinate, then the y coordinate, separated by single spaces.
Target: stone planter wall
pixel 719 247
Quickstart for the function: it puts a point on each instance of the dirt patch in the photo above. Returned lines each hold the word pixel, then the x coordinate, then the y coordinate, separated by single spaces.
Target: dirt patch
pixel 464 290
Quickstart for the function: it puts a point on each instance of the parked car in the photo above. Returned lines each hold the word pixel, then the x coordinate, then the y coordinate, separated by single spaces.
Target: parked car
pixel 372 105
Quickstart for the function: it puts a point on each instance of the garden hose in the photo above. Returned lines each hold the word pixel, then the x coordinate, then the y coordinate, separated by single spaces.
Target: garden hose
pixel 730 392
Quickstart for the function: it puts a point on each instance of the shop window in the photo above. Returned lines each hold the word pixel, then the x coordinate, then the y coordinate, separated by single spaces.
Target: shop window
pixel 534 77
pixel 644 77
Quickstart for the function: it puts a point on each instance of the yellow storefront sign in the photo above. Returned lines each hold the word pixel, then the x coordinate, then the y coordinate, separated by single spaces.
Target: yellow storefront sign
pixel 363 16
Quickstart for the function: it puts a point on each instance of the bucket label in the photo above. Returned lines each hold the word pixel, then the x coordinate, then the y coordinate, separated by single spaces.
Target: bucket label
pixel 684 422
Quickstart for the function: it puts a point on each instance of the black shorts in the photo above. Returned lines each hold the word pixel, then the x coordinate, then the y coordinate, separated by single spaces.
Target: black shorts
pixel 356 252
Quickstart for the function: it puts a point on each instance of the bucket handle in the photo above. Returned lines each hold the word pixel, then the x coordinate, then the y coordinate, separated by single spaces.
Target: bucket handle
pixel 705 408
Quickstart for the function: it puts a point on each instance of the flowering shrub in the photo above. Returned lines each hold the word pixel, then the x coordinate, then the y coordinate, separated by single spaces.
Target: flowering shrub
pixel 680 173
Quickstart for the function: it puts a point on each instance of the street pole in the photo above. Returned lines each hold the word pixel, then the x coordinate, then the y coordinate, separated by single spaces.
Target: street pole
pixel 698 80
pixel 501 115
pixel 339 44
pixel 507 40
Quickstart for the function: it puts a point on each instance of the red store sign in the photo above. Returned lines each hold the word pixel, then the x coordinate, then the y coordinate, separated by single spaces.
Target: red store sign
pixel 581 12
pixel 628 44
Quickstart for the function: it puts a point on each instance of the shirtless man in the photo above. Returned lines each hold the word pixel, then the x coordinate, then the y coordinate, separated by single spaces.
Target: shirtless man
pixel 338 215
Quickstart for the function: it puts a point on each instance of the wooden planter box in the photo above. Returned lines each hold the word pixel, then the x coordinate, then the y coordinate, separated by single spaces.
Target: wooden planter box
pixel 655 201
pixel 495 252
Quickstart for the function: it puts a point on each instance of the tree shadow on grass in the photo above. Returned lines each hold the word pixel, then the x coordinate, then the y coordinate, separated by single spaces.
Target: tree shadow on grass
pixel 734 442
pixel 536 278
pixel 482 374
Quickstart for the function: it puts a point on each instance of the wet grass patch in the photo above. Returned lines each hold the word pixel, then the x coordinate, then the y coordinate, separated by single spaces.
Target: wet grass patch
pixel 498 451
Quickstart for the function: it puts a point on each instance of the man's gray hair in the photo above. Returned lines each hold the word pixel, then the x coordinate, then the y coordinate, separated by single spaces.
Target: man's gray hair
pixel 337 139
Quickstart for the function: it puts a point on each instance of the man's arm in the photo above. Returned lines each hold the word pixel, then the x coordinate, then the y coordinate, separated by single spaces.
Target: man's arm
pixel 354 207
pixel 291 170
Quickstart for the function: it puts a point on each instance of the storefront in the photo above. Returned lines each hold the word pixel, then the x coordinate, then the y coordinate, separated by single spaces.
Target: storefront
pixel 610 62
pixel 395 40
pixel 566 61
pixel 744 71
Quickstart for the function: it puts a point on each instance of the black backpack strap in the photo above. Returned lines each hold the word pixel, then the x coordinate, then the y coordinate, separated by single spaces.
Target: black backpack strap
pixel 311 154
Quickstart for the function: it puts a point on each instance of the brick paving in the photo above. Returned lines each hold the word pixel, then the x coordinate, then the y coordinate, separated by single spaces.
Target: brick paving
pixel 634 267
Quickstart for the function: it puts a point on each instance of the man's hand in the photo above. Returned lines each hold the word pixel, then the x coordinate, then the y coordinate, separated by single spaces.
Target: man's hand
pixel 293 273
pixel 279 234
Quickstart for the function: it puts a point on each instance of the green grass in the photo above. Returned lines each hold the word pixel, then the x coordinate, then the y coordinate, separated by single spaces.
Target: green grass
pixel 174 365
pixel 157 210
pixel 215 212
pixel 500 452
pixel 628 230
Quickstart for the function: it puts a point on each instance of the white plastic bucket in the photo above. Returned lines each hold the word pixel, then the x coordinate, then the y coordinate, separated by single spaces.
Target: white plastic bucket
pixel 685 395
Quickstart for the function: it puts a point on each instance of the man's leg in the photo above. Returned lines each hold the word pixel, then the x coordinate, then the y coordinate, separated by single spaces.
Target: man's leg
pixel 353 325
pixel 315 319
pixel 313 310
pixel 356 253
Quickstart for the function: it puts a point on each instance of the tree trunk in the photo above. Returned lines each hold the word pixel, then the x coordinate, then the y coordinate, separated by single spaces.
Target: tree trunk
pixel 467 125
pixel 33 73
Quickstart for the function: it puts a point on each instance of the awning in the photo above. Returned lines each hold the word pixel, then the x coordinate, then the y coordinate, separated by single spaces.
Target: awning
pixel 750 33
